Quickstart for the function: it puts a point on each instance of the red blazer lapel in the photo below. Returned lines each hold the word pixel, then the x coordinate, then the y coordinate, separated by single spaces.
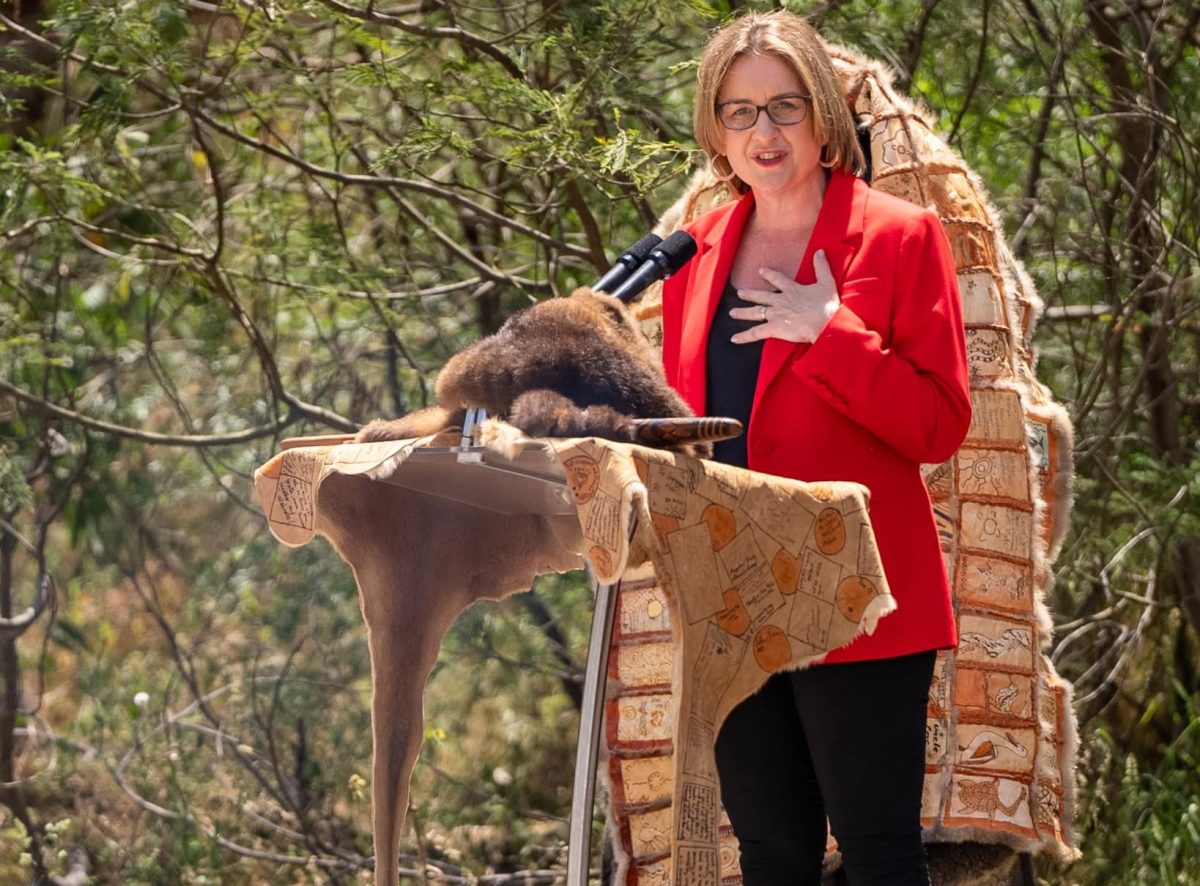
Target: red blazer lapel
pixel 838 231
pixel 712 266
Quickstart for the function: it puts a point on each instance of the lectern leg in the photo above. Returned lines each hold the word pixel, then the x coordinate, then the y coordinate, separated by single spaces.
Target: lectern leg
pixel 579 848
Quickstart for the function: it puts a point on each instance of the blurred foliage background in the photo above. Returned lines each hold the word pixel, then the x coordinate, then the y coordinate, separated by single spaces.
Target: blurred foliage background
pixel 224 222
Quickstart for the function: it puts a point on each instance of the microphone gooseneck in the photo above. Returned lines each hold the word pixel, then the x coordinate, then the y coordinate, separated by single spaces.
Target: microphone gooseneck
pixel 626 263
pixel 663 261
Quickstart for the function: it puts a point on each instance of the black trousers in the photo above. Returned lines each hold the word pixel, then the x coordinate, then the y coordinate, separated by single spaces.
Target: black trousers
pixel 845 741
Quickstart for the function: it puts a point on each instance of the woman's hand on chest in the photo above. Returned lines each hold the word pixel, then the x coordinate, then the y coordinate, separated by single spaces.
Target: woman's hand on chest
pixel 791 311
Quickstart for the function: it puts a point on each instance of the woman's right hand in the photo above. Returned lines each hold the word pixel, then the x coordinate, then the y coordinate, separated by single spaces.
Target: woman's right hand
pixel 796 312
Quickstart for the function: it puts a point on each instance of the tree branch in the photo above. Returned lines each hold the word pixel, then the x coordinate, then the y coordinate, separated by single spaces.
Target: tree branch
pixel 11 628
pixel 458 34
pixel 976 75
pixel 382 181
pixel 114 430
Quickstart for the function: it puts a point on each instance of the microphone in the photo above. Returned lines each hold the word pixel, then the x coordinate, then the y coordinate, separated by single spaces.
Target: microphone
pixel 630 259
pixel 663 261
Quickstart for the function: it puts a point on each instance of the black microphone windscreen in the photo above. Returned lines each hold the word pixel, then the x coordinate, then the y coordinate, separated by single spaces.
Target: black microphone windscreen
pixel 626 263
pixel 679 249
pixel 664 260
pixel 641 248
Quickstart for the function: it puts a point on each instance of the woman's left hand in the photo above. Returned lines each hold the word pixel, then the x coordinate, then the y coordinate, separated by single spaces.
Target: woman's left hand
pixel 794 311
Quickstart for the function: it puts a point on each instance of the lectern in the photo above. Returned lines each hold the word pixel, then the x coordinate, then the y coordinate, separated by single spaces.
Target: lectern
pixel 757 573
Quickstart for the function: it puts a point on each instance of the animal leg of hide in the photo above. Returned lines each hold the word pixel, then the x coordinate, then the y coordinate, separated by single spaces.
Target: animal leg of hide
pixel 421 423
pixel 413 582
pixel 401 661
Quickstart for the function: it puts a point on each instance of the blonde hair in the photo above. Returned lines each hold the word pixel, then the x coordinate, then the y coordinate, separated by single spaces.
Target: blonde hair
pixel 791 38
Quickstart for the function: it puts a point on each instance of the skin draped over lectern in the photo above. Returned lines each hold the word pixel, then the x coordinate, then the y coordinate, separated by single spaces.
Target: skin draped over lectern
pixel 760 574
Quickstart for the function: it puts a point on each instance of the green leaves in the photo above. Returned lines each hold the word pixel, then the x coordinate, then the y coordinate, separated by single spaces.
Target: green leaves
pixel 15 494
pixel 1142 810
pixel 630 156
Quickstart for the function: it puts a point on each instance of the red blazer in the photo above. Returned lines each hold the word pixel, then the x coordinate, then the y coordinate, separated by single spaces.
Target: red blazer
pixel 882 389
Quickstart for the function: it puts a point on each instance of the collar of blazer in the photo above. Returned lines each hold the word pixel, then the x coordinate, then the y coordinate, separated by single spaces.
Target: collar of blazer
pixel 838 230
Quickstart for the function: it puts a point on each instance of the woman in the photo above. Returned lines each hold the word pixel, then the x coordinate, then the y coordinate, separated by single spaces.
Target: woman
pixel 826 316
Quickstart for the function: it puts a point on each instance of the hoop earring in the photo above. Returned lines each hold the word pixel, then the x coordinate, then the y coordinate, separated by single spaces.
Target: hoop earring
pixel 720 176
pixel 828 164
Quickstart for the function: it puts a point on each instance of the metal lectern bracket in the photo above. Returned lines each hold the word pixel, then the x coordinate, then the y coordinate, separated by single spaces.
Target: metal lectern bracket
pixel 591 720
pixel 468 448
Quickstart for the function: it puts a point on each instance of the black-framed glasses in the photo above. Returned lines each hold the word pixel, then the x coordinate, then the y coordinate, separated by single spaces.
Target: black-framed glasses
pixel 783 110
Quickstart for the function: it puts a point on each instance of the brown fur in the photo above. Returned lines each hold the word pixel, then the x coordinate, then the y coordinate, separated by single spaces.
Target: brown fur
pixel 567 367
pixel 963 864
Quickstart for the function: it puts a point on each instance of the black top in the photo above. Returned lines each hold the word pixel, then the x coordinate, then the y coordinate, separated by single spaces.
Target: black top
pixel 732 375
